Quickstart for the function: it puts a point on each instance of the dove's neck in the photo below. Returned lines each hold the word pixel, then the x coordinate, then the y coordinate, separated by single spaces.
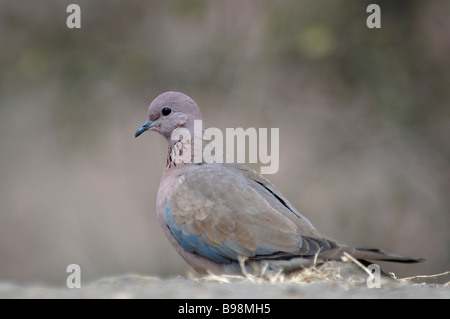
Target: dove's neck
pixel 185 151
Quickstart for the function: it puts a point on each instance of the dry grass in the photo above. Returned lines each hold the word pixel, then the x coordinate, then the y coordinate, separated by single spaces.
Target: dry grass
pixel 421 277
pixel 330 272
pixel 347 273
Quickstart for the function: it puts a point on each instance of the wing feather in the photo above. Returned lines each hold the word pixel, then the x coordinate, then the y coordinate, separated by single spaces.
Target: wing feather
pixel 222 211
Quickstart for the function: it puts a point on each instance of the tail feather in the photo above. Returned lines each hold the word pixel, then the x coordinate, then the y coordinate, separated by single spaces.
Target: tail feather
pixel 377 254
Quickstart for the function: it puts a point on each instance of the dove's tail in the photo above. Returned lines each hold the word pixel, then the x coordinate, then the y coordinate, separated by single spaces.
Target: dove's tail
pixel 376 254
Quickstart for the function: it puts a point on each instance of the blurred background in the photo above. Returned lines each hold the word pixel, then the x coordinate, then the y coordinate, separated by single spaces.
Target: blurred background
pixel 364 118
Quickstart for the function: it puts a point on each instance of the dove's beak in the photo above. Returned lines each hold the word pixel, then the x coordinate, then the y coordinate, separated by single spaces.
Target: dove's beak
pixel 143 128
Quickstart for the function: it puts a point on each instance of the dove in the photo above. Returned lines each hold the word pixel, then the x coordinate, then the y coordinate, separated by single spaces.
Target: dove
pixel 227 219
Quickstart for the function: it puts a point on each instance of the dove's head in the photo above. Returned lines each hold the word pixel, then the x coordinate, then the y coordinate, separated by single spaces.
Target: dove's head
pixel 169 111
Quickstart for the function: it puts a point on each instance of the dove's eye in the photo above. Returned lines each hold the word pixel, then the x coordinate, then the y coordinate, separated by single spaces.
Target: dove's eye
pixel 166 111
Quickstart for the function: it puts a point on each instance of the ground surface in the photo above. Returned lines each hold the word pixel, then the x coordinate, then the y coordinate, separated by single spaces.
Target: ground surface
pixel 330 281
